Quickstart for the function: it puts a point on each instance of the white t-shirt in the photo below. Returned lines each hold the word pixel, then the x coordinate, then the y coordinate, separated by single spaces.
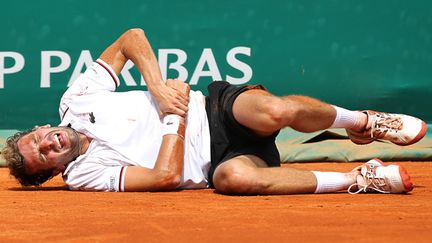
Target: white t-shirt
pixel 126 131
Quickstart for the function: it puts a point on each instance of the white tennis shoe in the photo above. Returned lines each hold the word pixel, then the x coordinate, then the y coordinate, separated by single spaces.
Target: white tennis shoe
pixel 397 128
pixel 375 177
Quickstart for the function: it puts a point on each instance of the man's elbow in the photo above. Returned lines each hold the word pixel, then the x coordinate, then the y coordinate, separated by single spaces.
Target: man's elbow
pixel 170 181
pixel 134 33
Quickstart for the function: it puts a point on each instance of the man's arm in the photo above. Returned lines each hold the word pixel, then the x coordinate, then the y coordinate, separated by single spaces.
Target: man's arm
pixel 168 170
pixel 134 45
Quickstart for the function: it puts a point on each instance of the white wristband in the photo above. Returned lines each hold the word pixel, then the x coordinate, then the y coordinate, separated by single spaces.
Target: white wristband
pixel 171 124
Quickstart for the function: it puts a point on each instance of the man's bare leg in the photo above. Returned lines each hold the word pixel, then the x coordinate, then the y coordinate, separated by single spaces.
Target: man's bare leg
pixel 249 175
pixel 265 113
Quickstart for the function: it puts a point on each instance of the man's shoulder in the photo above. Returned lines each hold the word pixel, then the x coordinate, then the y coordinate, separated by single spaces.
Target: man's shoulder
pixel 81 165
pixel 92 174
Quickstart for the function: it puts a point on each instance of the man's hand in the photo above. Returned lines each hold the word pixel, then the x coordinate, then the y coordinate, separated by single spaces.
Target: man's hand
pixel 179 85
pixel 172 97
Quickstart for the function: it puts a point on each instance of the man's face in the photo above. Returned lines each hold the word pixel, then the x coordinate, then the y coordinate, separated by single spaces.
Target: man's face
pixel 49 148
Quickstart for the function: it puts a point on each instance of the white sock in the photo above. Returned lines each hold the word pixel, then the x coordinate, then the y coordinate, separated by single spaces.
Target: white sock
pixel 332 181
pixel 347 119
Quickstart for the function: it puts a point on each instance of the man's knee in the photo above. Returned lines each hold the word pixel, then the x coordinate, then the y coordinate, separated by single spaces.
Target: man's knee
pixel 231 178
pixel 278 112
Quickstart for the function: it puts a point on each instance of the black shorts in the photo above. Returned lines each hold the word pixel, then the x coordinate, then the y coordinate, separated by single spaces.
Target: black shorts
pixel 228 137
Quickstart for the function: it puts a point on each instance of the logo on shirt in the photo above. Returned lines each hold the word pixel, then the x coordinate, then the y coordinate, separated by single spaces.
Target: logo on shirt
pixel 112 184
pixel 92 117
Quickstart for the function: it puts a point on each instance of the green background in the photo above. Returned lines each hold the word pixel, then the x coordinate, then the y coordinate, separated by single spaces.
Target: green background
pixel 356 54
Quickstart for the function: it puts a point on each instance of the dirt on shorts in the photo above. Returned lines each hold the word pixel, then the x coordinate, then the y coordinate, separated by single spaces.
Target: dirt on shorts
pixel 52 213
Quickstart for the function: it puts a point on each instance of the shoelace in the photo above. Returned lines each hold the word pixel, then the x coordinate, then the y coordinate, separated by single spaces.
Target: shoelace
pixel 372 182
pixel 383 123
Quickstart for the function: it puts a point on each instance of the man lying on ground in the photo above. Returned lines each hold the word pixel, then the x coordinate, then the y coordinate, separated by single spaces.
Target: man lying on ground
pixel 171 138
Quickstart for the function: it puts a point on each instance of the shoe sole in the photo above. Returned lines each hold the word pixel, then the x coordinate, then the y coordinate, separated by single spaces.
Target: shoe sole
pixel 359 140
pixel 419 136
pixel 406 179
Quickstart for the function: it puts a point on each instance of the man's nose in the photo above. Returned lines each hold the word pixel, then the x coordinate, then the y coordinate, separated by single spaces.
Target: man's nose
pixel 45 145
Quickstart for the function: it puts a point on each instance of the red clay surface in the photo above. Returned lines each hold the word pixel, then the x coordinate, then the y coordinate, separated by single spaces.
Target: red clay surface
pixel 52 214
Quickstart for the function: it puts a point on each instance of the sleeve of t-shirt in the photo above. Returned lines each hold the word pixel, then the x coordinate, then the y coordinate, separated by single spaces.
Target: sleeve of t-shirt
pixel 99 77
pixel 96 177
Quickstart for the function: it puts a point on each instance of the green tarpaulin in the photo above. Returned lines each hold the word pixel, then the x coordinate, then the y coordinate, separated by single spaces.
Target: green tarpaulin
pixel 334 145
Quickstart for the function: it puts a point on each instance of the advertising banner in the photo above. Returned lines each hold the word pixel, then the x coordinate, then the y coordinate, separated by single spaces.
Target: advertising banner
pixel 356 54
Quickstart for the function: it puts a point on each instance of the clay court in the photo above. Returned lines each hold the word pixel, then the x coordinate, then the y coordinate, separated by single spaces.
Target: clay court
pixel 52 214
